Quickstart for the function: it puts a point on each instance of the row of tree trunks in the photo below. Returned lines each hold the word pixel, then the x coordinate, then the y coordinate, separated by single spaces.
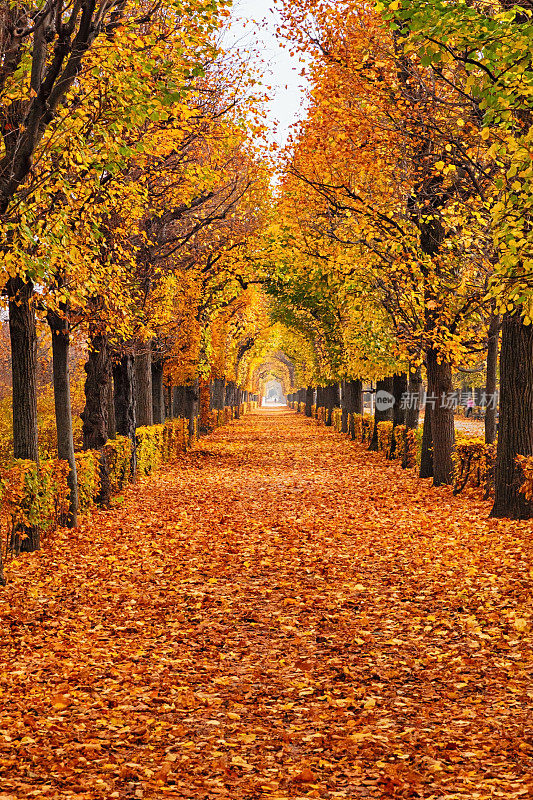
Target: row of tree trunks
pixel 516 429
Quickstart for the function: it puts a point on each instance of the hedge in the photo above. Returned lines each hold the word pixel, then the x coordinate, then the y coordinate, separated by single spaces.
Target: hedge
pixel 35 496
pixel 32 496
pixel 385 438
pixel 474 465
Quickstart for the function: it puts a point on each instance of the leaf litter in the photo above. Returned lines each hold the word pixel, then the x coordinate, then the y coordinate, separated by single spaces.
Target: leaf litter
pixel 279 614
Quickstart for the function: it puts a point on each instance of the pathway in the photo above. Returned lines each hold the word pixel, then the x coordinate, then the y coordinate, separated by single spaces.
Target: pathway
pixel 280 615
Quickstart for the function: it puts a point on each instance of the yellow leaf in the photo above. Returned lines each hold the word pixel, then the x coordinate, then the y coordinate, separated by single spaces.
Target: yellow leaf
pixel 60 701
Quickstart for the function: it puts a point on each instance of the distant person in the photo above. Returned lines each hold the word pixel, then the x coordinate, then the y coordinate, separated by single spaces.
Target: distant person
pixel 469 407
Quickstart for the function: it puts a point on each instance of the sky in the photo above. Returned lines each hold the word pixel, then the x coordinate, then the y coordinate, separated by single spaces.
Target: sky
pixel 254 24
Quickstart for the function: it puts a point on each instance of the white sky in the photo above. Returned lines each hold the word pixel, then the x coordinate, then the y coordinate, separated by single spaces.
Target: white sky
pixel 254 25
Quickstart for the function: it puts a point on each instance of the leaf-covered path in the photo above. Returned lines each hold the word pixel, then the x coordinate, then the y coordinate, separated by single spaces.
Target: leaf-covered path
pixel 282 614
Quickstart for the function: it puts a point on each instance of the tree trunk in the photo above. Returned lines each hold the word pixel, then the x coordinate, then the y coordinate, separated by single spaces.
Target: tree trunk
pixel 357 397
pixel 23 334
pixel 333 400
pixel 320 398
pixel 219 393
pixel 124 386
pixel 346 403
pixel 94 415
pixel 399 390
pixel 491 407
pixel 515 430
pixel 167 394
pixel 190 407
pixel 356 405
pixel 383 412
pixel 426 456
pixel 229 399
pixel 143 385
pixel 309 395
pixel 111 424
pixel 413 408
pixel 63 410
pixel 158 392
pixel 440 389
pixel 178 401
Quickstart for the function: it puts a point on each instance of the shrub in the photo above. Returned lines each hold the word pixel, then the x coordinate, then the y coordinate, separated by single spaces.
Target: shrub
pixel 405 448
pixel 385 438
pixel 89 481
pixel 367 427
pixel 150 449
pixel 473 465
pixel 117 453
pixel 355 427
pixel 32 497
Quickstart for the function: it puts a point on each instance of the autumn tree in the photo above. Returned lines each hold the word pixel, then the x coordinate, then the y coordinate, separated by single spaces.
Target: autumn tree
pixel 491 44
pixel 392 159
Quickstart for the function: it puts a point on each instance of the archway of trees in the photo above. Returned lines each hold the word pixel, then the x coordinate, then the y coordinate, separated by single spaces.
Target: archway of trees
pixel 144 239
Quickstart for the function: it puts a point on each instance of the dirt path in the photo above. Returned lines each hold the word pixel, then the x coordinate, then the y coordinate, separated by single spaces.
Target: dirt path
pixel 280 615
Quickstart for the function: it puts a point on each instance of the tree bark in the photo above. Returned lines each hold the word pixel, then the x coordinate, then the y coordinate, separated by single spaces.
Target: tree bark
pixel 178 401
pixel 491 408
pixel 59 328
pixel 23 334
pixel 357 397
pixel 158 392
pixel 111 424
pixel 356 405
pixel 333 400
pixel 229 399
pixel 381 415
pixel 124 389
pixel 515 431
pixel 94 415
pixel 219 393
pixel 412 413
pixel 399 390
pixel 143 385
pixel 346 403
pixel 426 457
pixel 440 388
pixel 190 406
pixel 309 395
